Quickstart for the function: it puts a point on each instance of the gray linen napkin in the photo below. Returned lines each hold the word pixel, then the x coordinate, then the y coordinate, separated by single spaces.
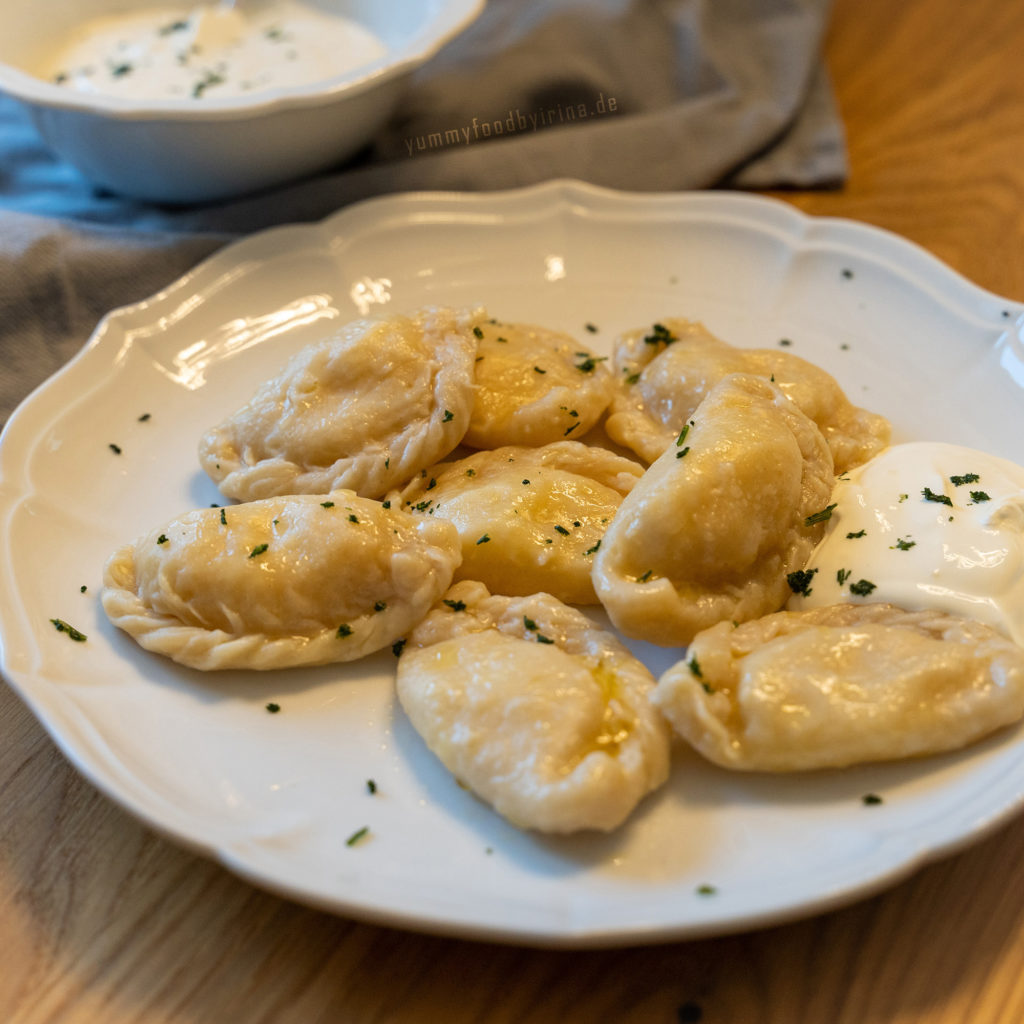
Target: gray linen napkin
pixel 631 94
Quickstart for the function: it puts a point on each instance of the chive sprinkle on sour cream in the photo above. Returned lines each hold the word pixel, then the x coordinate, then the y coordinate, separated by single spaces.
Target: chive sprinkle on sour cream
pixel 209 52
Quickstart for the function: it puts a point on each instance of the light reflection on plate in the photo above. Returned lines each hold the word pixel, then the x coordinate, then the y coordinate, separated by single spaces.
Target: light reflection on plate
pixel 276 797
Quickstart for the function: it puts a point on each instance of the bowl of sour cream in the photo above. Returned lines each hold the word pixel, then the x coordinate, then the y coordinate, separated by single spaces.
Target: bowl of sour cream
pixel 203 101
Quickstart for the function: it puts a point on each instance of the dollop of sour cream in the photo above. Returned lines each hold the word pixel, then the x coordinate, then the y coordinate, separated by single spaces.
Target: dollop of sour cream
pixel 208 52
pixel 926 525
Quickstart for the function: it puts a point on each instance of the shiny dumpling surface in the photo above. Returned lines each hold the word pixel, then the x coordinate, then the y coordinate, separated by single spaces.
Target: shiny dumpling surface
pixel 297 580
pixel 530 519
pixel 535 386
pixel 539 712
pixel 361 410
pixel 718 521
pixel 840 685
pixel 663 372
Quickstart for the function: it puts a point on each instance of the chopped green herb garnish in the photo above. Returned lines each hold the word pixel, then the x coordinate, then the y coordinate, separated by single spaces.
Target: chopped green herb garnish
pixel 561 529
pixel 660 335
pixel 144 418
pixel 204 83
pixel 327 504
pixel 800 581
pixel 979 496
pixel 857 535
pixel 357 835
pixel 344 630
pixel 397 647
pixel 645 576
pixel 542 639
pixel 682 435
pixel 456 606
pixel 371 787
pixel 592 328
pixel 589 363
pixel 967 478
pixel 65 627
pixel 353 518
pixel 706 890
pixel 379 606
pixel 871 799
pixel 478 332
pixel 448 416
pixel 162 539
pixel 258 550
pixel 942 499
pixel 529 623
pixel 903 544
pixel 273 708
pixel 842 575
pixel 385 504
pixel 484 539
pixel 820 517
pixel 694 667
pixel 570 430
pixel 83 588
pixel 537 369
pixel 682 452
pixel 115 448
pixel 593 550
pixel 785 342
pixel 862 588
pixel 632 378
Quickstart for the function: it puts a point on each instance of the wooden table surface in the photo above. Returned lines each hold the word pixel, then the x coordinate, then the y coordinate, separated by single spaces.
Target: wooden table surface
pixel 103 922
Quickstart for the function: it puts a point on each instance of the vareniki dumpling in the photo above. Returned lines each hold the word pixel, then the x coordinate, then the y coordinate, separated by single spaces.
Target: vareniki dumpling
pixel 534 386
pixel 538 711
pixel 663 373
pixel 364 410
pixel 719 521
pixel 280 582
pixel 840 685
pixel 530 519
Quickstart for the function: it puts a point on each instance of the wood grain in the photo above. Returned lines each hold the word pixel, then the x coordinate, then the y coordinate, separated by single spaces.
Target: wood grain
pixel 103 921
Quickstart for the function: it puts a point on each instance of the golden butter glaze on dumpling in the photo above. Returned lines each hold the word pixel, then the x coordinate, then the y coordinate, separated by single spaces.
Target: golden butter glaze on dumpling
pixel 539 712
pixel 840 685
pixel 534 386
pixel 663 372
pixel 296 580
pixel 361 410
pixel 529 519
pixel 717 522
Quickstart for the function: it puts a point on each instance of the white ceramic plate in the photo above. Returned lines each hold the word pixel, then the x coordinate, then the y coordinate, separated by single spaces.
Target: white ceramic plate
pixel 276 797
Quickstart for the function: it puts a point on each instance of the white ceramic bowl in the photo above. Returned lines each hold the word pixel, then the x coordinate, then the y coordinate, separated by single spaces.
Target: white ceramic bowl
pixel 183 151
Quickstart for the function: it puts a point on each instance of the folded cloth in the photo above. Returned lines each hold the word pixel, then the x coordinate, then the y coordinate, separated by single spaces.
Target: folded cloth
pixel 633 94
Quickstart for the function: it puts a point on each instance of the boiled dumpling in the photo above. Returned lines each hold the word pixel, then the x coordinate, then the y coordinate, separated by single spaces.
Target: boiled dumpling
pixel 664 372
pixel 840 685
pixel 298 580
pixel 538 711
pixel 719 521
pixel 530 519
pixel 534 386
pixel 363 410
